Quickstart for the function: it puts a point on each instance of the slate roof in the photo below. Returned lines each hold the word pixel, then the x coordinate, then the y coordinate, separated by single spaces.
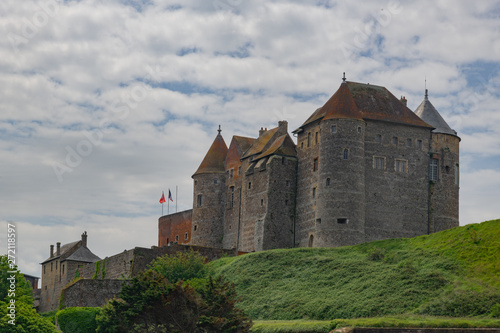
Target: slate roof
pixel 214 159
pixel 355 100
pixel 428 113
pixel 74 251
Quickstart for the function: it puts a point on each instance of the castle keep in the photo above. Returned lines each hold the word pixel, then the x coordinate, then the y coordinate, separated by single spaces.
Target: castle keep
pixel 365 167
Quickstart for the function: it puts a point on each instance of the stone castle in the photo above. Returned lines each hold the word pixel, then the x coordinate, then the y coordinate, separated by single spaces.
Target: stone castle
pixel 365 167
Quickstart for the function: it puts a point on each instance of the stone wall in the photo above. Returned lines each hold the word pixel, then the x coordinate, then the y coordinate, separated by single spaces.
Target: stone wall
pixel 209 203
pixel 92 293
pixel 278 229
pixel 444 191
pixel 129 263
pixel 307 182
pixel 396 201
pixel 175 228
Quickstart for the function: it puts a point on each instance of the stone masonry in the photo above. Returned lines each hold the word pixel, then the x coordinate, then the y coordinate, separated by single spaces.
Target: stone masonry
pixel 365 167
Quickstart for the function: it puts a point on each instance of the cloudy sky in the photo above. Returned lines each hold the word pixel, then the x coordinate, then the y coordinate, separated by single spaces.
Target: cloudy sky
pixel 104 104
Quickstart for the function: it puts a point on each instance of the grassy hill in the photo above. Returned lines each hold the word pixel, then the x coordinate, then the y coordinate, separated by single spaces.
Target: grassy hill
pixel 450 273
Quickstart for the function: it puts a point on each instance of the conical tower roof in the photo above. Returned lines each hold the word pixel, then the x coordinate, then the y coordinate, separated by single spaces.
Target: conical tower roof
pixel 428 113
pixel 214 159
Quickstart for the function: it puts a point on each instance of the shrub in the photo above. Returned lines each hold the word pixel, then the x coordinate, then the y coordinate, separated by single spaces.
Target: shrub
pixel 183 266
pixel 77 320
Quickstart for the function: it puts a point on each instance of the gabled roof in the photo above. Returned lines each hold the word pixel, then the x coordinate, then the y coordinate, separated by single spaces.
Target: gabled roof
pixel 283 145
pixel 214 159
pixel 239 145
pixel 74 251
pixel 260 143
pixel 365 101
pixel 83 254
pixel 428 113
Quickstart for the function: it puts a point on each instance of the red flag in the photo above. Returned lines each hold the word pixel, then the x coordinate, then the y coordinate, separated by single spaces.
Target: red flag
pixel 162 200
pixel 170 196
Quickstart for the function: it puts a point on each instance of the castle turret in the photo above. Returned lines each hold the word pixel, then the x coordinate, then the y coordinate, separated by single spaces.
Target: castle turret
pixel 330 196
pixel 209 197
pixel 443 169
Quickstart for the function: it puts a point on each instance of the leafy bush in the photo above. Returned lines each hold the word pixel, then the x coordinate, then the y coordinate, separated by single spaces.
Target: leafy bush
pixel 174 296
pixel 182 266
pixel 77 320
pixel 27 320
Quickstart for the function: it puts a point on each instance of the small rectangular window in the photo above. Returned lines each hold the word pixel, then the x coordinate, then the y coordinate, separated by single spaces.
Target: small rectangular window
pixel 186 236
pixel 231 175
pixel 346 154
pixel 216 181
pixel 315 165
pixel 199 200
pixel 314 192
pixel 286 202
pixel 408 142
pixel 317 137
pixel 457 173
pixel 378 163
pixel 334 128
pixel 328 181
pixel 401 166
pixel 318 221
pixel 419 144
pixel 177 238
pixel 433 170
pixel 395 140
pixel 309 139
pixel 342 221
pixel 249 185
pixel 287 183
pixel 378 138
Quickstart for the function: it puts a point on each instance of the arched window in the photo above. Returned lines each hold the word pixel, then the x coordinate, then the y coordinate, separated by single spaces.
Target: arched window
pixel 311 241
pixel 346 154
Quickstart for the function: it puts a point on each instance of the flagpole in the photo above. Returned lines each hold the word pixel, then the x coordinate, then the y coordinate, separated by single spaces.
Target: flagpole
pixel 176 198
pixel 168 203
pixel 162 209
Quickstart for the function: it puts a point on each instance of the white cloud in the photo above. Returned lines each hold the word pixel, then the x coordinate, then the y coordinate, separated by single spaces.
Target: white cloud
pixel 151 81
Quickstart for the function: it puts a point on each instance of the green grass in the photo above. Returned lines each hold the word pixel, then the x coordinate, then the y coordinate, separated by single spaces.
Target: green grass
pixel 452 273
pixel 317 326
pixel 291 326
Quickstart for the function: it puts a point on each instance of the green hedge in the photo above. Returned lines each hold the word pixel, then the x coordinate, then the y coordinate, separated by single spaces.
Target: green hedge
pixel 77 320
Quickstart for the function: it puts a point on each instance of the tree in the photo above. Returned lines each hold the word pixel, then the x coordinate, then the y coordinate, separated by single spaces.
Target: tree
pixel 175 295
pixel 16 303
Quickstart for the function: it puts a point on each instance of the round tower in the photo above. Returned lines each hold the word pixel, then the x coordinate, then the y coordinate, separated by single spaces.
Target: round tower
pixel 340 204
pixel 209 197
pixel 444 172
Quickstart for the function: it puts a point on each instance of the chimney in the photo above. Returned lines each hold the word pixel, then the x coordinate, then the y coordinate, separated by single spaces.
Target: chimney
pixel 58 249
pixel 84 239
pixel 403 100
pixel 283 125
pixel 261 131
pixel 51 251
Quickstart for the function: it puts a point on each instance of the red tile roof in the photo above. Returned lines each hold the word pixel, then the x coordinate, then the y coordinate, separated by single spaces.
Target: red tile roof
pixel 214 159
pixel 365 101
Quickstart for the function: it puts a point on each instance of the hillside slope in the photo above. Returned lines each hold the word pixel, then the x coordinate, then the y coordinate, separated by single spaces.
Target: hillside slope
pixel 451 273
